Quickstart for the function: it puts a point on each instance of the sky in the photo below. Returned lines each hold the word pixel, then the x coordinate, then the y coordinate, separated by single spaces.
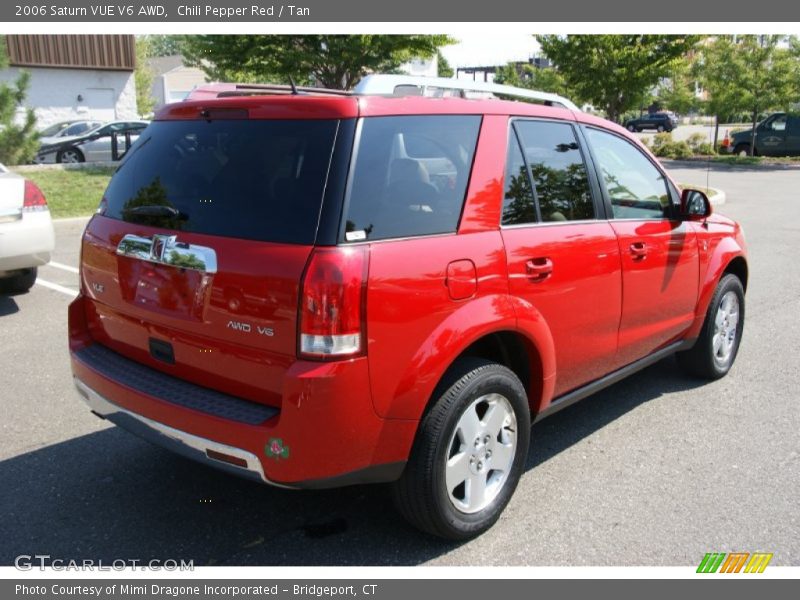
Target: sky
pixel 483 50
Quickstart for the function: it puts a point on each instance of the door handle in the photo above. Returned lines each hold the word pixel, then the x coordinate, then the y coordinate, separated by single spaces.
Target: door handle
pixel 638 250
pixel 539 269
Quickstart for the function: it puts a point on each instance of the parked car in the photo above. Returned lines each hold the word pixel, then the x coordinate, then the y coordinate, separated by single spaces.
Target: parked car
pixel 26 232
pixel 322 289
pixel 658 121
pixel 777 135
pixel 56 128
pixel 66 129
pixel 108 142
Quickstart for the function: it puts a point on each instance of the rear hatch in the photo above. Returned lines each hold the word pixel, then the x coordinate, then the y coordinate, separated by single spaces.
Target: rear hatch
pixel 193 264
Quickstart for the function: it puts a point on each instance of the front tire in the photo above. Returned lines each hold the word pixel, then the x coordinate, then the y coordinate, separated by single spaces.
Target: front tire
pixel 713 354
pixel 660 129
pixel 742 150
pixel 469 452
pixel 20 283
pixel 631 128
pixel 70 156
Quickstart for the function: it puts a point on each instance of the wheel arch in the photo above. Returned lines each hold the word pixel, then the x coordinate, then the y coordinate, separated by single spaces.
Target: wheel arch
pixel 738 266
pixel 511 332
pixel 729 257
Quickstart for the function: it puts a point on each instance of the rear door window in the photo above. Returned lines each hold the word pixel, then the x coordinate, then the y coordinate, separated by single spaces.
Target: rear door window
pixel 252 179
pixel 410 176
pixel 560 179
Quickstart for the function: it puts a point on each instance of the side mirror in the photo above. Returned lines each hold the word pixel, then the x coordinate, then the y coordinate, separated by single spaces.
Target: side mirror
pixel 695 205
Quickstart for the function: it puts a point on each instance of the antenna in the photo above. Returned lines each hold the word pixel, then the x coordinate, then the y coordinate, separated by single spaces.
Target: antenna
pixel 708 162
pixel 294 87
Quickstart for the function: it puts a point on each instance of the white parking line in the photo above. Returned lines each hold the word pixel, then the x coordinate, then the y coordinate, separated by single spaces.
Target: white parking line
pixel 63 267
pixel 57 288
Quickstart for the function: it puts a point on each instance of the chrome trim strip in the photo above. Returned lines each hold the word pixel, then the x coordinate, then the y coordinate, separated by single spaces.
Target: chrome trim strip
pixel 167 250
pixel 105 408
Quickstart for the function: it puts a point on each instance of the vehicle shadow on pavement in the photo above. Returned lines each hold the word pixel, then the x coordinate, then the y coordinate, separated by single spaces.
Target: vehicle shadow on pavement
pixel 564 429
pixel 108 496
pixel 8 305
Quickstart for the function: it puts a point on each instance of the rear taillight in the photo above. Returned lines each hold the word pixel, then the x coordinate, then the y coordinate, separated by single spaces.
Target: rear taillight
pixel 333 304
pixel 34 198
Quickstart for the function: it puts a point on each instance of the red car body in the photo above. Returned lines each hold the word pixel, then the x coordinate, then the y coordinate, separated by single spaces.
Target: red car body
pixel 569 305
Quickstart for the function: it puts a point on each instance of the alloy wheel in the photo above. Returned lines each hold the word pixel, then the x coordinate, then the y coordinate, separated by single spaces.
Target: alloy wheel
pixel 481 453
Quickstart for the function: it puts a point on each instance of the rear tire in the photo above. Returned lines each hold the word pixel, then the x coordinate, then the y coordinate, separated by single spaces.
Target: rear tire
pixel 631 128
pixel 742 150
pixel 660 129
pixel 713 354
pixel 469 452
pixel 19 284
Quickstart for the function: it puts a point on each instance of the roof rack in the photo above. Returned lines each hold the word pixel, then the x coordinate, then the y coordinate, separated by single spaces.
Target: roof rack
pixel 227 90
pixel 393 85
pixel 291 89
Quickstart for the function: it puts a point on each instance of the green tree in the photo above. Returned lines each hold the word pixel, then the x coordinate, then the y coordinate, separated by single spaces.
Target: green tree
pixel 334 61
pixel 677 91
pixel 532 77
pixel 164 45
pixel 615 73
pixel 143 75
pixel 749 73
pixel 443 68
pixel 18 141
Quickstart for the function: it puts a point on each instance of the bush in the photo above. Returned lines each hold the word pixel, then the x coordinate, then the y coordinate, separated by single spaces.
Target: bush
pixel 679 150
pixel 699 144
pixel 659 142
pixel 665 147
pixel 704 149
pixel 695 140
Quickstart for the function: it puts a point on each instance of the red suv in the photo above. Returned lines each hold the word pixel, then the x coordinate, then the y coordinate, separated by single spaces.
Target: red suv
pixel 318 289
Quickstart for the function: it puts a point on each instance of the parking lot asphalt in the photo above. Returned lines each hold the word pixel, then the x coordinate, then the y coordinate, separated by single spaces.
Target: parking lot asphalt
pixel 656 470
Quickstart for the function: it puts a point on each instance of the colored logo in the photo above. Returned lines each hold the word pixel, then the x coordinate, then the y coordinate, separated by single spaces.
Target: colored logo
pixel 735 562
pixel 275 449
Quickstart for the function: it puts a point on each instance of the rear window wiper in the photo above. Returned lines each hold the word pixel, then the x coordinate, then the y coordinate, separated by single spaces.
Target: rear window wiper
pixel 158 210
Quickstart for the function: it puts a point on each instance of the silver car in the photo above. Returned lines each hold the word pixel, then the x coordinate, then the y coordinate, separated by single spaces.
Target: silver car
pixel 26 232
pixel 106 143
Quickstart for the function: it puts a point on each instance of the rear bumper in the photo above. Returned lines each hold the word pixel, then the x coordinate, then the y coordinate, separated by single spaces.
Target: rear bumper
pixel 242 463
pixel 325 433
pixel 27 242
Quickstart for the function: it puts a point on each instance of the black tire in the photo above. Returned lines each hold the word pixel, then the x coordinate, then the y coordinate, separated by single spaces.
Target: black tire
pixel 701 360
pixel 62 156
pixel 421 494
pixel 660 129
pixel 631 128
pixel 20 283
pixel 742 150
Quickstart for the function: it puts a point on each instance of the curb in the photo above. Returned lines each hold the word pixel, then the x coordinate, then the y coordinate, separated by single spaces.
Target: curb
pixel 689 163
pixel 716 197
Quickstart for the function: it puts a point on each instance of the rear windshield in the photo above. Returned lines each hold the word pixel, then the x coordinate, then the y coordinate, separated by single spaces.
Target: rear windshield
pixel 410 176
pixel 252 179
